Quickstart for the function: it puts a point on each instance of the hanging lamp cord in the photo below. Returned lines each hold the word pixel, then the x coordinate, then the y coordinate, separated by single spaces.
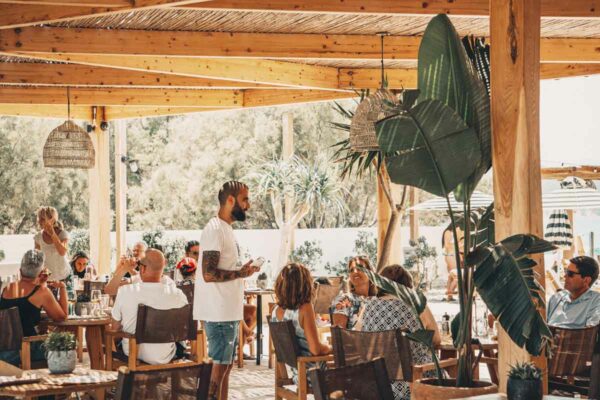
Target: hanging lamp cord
pixel 382 66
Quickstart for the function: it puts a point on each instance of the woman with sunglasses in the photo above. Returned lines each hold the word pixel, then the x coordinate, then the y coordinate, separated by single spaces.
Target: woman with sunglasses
pixel 345 306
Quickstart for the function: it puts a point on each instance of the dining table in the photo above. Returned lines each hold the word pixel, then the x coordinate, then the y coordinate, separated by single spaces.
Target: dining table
pixel 488 347
pixel 94 335
pixel 41 382
pixel 259 317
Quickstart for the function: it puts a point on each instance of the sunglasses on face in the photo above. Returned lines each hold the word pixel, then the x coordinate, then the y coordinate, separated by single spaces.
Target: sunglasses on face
pixel 571 274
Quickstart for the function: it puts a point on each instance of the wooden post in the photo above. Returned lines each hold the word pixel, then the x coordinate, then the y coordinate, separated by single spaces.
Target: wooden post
pixel 383 218
pixel 100 217
pixel 515 102
pixel 414 215
pixel 120 186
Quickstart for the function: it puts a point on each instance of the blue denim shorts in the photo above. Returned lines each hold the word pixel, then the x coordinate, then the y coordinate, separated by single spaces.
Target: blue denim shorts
pixel 222 340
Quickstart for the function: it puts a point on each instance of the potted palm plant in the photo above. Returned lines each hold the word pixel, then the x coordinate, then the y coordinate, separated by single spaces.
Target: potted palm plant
pixel 438 139
pixel 60 352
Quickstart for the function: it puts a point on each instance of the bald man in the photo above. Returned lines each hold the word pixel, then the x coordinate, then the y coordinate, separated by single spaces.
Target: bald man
pixel 152 291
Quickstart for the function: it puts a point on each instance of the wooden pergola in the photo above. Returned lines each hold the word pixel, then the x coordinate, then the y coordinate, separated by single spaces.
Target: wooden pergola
pixel 135 58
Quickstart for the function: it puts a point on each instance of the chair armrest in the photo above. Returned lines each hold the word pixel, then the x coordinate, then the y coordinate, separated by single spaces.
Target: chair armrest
pixel 38 338
pixel 118 334
pixel 307 359
pixel 419 369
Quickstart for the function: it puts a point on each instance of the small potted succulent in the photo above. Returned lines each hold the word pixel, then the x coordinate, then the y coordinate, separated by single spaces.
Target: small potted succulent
pixel 262 280
pixel 60 352
pixel 83 302
pixel 524 382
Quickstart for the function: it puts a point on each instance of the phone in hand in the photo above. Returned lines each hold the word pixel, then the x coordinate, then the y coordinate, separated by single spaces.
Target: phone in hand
pixel 258 262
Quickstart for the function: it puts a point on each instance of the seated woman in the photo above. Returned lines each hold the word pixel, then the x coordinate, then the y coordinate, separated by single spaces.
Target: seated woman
pixel 386 313
pixel 30 295
pixel 80 263
pixel 294 291
pixel 399 275
pixel 345 306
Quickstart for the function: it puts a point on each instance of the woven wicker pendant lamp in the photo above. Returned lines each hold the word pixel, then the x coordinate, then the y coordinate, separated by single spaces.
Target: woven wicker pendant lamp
pixel 373 108
pixel 69 146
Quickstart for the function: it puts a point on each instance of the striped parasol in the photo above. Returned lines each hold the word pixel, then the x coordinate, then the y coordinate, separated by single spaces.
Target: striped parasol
pixel 559 230
pixel 574 194
pixel 478 200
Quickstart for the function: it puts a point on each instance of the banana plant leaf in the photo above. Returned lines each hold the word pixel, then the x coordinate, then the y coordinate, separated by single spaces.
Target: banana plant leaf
pixel 506 282
pixel 413 298
pixel 446 73
pixel 484 223
pixel 429 147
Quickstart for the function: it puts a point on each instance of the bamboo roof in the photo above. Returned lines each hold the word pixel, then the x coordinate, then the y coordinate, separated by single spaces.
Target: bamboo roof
pixel 154 57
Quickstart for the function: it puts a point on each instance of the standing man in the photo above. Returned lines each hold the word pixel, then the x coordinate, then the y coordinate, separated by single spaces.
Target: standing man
pixel 219 292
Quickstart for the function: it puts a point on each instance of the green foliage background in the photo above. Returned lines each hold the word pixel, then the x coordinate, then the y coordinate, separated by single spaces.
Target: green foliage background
pixel 183 160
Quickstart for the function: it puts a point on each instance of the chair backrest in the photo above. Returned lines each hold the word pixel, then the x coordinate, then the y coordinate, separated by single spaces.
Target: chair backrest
pixel 354 347
pixel 324 296
pixel 285 342
pixel 165 326
pixel 11 330
pixel 184 382
pixel 88 286
pixel 374 382
pixel 572 351
pixel 188 290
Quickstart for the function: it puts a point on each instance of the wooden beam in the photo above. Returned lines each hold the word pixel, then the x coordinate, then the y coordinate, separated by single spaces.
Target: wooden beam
pixel 46 111
pixel 121 42
pixel 515 57
pixel 114 113
pixel 45 74
pixel 20 15
pixel 72 3
pixel 550 8
pixel 560 173
pixel 559 70
pixel 121 97
pixel 262 98
pixel 370 78
pixel 266 72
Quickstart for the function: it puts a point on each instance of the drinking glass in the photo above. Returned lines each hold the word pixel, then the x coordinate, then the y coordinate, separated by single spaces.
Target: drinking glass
pixel 95 298
pixel 104 301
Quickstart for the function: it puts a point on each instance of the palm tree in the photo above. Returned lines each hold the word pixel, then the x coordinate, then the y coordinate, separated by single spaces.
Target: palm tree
pixel 304 188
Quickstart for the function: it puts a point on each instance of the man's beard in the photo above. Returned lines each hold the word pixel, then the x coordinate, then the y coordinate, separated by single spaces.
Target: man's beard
pixel 238 213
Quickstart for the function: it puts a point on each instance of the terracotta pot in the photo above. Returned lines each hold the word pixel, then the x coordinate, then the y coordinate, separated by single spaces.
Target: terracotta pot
pixel 427 389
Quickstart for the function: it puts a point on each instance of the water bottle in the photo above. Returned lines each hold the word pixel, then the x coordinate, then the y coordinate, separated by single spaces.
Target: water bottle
pixel 446 324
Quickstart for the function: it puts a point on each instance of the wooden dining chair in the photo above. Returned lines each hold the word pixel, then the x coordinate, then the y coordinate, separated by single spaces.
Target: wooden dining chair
pixel 575 363
pixel 181 381
pixel 156 326
pixel 11 338
pixel 354 347
pixel 287 352
pixel 188 289
pixel 372 375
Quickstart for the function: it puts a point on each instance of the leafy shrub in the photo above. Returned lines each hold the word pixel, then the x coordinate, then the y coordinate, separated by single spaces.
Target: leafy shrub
pixel 525 371
pixel 364 245
pixel 79 240
pixel 308 253
pixel 60 341
pixel 173 249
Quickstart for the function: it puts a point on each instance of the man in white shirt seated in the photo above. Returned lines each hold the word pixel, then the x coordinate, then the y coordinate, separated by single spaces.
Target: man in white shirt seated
pixel 151 291
pixel 578 306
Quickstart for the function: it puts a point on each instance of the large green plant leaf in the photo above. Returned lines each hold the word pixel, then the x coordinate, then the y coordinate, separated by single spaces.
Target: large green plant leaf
pixel 445 73
pixel 506 282
pixel 484 226
pixel 413 298
pixel 429 147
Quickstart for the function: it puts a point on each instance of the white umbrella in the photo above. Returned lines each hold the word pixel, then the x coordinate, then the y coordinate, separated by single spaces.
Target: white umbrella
pixel 572 199
pixel 478 200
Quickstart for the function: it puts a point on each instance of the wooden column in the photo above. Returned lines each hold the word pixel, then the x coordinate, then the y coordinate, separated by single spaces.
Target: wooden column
pixel 414 215
pixel 120 187
pixel 515 57
pixel 383 218
pixel 100 217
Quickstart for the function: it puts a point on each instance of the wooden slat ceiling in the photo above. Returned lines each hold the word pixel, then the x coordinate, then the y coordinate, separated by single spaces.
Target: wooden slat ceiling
pixel 186 79
pixel 270 22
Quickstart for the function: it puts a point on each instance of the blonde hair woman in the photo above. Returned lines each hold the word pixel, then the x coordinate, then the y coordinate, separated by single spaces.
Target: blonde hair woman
pixel 52 240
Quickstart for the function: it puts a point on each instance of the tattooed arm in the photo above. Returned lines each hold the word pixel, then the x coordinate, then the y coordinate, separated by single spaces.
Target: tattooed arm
pixel 212 273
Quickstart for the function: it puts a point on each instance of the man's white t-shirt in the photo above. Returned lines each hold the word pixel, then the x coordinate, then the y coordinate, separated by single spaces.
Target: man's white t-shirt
pixel 156 295
pixel 219 301
pixel 163 279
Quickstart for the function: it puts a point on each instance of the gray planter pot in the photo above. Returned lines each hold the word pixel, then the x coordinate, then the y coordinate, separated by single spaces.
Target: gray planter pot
pixel 62 362
pixel 524 389
pixel 79 306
